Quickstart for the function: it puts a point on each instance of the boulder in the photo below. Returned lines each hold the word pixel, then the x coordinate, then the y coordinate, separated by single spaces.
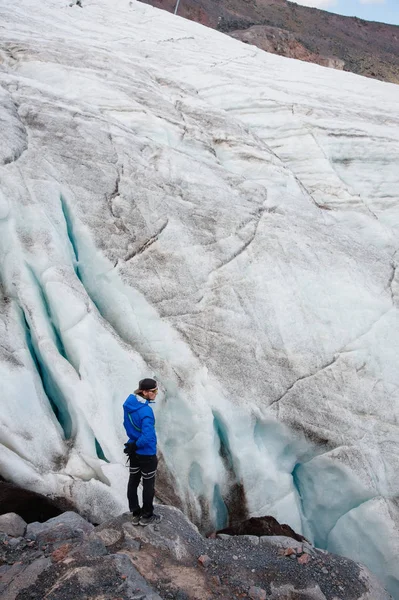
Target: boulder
pixel 66 526
pixel 12 524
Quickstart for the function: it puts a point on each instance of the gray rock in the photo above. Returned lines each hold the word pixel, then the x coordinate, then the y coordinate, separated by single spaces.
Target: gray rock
pixel 135 584
pixel 67 526
pixel 279 541
pixel 12 524
pixel 108 536
pixel 132 544
pixel 289 591
pixel 8 573
pixel 130 533
pixel 252 539
pixel 91 548
pixel 205 560
pixel 223 536
pixel 25 578
pixel 111 576
pixel 257 593
pixel 175 534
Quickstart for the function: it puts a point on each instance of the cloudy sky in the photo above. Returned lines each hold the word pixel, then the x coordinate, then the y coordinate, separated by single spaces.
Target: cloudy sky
pixel 372 10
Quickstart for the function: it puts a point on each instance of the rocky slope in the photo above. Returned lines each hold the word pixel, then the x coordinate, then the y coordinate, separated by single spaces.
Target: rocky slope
pixel 67 557
pixel 295 31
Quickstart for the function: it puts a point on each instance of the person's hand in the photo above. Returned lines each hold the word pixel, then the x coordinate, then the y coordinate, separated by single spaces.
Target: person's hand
pixel 130 448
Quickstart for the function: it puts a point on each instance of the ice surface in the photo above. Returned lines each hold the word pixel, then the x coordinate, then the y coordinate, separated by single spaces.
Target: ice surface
pixel 177 204
pixel 362 531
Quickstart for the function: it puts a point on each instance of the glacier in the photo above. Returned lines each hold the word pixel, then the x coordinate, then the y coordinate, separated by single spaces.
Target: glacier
pixel 177 204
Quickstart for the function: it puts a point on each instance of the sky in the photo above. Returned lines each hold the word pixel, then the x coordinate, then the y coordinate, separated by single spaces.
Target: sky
pixel 386 11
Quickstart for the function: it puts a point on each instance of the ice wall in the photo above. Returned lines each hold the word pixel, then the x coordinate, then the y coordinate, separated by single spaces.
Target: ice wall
pixel 175 203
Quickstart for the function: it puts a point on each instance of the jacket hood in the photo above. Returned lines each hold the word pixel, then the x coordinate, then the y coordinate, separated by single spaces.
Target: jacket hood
pixel 132 403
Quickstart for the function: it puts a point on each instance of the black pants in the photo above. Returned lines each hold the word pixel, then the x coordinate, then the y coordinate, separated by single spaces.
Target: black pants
pixel 145 467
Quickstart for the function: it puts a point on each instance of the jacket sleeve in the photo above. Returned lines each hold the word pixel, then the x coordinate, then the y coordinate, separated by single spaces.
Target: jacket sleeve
pixel 148 435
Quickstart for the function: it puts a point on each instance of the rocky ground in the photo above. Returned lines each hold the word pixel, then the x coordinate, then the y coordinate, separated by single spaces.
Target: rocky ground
pixel 309 34
pixel 67 557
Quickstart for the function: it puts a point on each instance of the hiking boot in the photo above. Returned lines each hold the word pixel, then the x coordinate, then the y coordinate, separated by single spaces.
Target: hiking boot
pixel 136 519
pixel 153 519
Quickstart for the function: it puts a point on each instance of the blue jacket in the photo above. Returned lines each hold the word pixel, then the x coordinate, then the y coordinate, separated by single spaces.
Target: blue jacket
pixel 139 422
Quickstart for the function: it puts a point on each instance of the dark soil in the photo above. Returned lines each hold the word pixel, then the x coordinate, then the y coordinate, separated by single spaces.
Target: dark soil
pixel 262 526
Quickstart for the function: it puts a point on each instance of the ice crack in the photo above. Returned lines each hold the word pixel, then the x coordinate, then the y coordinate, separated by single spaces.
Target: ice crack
pixel 329 364
pixel 9 356
pixel 146 244
pixel 16 156
pixel 392 278
pixel 51 388
pixel 22 136
pixel 111 197
pixel 357 196
pixel 115 191
pixel 261 211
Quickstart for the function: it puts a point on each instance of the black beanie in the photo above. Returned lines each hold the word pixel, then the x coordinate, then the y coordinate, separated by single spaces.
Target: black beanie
pixel 147 384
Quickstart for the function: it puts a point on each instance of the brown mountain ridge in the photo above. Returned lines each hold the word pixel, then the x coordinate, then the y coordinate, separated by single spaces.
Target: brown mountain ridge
pixel 282 27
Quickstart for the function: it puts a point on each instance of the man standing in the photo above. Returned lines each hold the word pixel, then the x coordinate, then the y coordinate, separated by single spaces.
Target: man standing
pixel 141 448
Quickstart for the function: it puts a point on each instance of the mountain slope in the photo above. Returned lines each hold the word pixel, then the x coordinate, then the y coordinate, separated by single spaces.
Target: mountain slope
pixel 295 31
